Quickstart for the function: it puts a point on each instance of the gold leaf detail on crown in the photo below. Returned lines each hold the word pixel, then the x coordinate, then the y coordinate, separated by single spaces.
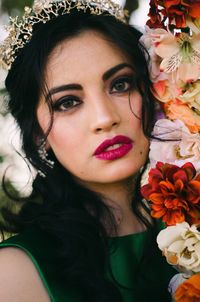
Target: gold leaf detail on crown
pixel 20 31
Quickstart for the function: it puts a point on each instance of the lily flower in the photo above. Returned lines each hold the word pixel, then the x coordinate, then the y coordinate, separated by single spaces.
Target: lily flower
pixel 180 55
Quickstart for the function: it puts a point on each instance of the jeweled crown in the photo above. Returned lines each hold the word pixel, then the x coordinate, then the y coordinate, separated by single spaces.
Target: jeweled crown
pixel 20 31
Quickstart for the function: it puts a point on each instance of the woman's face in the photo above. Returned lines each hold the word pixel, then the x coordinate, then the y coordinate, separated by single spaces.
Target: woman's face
pixel 94 135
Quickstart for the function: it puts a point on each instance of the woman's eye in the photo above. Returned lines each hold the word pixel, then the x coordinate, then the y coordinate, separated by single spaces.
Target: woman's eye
pixel 122 85
pixel 66 104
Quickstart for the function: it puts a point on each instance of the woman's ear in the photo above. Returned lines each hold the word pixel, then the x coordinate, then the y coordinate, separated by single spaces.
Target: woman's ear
pixel 39 140
pixel 47 146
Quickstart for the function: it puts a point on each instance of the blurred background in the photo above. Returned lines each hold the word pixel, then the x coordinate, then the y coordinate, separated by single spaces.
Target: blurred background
pixel 18 175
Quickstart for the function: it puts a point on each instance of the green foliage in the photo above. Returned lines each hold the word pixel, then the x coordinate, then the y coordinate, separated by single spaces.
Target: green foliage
pixel 3 196
pixel 10 5
pixel 6 201
pixel 131 5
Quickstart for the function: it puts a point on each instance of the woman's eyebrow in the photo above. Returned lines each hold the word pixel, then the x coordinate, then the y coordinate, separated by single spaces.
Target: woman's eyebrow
pixel 63 88
pixel 109 73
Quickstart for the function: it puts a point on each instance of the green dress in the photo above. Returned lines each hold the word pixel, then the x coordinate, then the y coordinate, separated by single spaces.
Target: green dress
pixel 139 278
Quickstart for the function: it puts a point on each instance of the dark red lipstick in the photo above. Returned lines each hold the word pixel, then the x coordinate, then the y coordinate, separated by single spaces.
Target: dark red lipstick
pixel 114 148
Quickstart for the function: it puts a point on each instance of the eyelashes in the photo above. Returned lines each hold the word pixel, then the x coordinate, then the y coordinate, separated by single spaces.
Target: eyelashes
pixel 123 84
pixel 119 86
pixel 66 103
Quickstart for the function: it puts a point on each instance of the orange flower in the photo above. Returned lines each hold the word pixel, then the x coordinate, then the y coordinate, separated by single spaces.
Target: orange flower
pixel 175 10
pixel 177 110
pixel 189 291
pixel 174 193
pixel 194 10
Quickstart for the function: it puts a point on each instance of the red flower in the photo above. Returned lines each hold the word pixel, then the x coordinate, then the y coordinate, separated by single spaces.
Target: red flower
pixel 194 9
pixel 155 18
pixel 174 193
pixel 175 10
pixel 177 15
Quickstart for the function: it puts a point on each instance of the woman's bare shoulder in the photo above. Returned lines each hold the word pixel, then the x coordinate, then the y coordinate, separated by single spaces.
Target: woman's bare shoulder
pixel 19 279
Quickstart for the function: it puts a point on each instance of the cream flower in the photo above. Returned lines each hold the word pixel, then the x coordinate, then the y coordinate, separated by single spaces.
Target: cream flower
pixel 154 68
pixel 191 119
pixel 180 54
pixel 166 90
pixel 191 96
pixel 181 246
pixel 183 147
pixel 39 5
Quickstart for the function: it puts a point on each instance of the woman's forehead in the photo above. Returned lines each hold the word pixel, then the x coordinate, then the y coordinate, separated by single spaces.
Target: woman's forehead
pixel 88 52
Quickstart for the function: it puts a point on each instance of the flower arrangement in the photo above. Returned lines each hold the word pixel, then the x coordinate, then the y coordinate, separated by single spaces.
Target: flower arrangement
pixel 172 38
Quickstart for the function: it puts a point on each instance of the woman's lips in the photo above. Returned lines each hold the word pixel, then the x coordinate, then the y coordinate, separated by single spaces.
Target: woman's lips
pixel 114 148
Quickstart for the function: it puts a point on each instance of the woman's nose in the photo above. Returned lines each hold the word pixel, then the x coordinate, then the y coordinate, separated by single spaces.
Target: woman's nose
pixel 104 115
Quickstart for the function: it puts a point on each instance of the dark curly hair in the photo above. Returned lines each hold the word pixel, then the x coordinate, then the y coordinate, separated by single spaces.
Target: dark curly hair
pixel 62 209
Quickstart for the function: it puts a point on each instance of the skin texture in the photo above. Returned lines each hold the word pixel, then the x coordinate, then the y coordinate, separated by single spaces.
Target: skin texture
pixel 17 284
pixel 103 112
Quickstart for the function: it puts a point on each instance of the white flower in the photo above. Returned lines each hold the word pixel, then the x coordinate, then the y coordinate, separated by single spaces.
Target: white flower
pixel 183 147
pixel 181 246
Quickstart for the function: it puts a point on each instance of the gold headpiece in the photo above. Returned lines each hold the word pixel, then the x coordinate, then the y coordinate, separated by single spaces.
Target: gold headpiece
pixel 20 31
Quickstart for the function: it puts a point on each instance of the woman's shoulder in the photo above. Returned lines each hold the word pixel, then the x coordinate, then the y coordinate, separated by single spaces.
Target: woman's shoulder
pixel 37 250
pixel 23 262
pixel 19 278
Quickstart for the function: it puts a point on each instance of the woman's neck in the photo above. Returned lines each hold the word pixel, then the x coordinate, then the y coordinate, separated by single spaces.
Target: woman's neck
pixel 119 197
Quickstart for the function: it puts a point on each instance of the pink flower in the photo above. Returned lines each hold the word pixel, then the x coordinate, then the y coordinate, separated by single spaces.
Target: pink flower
pixel 154 68
pixel 165 90
pixel 179 145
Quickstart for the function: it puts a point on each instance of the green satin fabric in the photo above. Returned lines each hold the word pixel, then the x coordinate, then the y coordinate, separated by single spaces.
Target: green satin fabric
pixel 140 277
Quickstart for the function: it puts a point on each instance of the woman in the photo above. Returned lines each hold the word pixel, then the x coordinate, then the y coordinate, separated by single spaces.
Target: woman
pixel 79 90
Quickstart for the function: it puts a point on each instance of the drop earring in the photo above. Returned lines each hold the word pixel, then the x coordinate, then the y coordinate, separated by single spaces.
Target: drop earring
pixel 44 155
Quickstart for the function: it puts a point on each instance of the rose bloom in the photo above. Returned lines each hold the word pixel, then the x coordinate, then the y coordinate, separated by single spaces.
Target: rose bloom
pixel 181 246
pixel 189 291
pixel 177 110
pixel 179 145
